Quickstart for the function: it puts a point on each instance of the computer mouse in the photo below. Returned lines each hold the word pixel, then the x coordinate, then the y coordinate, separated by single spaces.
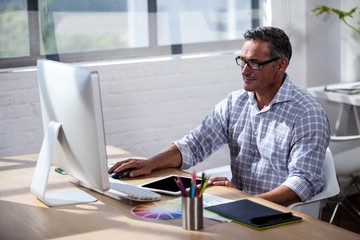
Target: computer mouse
pixel 122 174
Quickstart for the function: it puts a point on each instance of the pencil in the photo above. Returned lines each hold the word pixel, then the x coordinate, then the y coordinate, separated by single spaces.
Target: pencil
pixel 181 186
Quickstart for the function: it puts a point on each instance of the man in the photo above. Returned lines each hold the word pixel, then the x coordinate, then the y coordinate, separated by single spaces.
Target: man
pixel 277 133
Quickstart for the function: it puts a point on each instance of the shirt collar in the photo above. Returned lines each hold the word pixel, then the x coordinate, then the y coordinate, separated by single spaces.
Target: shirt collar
pixel 283 94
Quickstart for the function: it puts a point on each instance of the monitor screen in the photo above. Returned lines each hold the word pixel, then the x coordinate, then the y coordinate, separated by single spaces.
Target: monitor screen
pixel 70 97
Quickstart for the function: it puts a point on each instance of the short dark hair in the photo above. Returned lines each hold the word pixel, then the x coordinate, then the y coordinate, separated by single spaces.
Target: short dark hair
pixel 279 42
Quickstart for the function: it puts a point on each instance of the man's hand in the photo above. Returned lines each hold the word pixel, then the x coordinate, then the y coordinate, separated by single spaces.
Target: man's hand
pixel 141 166
pixel 220 181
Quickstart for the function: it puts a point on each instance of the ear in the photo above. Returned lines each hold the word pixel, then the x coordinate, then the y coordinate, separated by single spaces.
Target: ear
pixel 283 64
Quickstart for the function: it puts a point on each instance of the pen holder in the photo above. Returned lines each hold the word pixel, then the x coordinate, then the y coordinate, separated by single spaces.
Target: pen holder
pixel 192 213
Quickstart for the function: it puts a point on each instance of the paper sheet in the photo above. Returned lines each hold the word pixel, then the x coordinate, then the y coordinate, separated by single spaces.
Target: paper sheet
pixel 211 200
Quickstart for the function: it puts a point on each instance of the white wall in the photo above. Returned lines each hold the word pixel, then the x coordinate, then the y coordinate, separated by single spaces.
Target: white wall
pixel 315 40
pixel 350 45
pixel 148 105
pixel 20 123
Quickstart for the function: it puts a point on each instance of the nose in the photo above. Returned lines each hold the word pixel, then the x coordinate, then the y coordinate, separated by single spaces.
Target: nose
pixel 245 70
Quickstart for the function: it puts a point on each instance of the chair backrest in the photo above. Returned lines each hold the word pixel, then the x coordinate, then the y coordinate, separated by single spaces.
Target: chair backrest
pixel 331 187
pixel 346 153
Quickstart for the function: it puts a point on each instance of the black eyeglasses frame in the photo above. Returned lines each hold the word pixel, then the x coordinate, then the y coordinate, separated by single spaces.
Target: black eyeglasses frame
pixel 250 64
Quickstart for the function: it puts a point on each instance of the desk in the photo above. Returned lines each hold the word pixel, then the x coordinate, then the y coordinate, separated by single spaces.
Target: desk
pixel 25 217
pixel 349 109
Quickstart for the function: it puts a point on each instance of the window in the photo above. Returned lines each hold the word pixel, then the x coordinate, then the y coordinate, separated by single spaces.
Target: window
pixel 92 30
pixel 14 29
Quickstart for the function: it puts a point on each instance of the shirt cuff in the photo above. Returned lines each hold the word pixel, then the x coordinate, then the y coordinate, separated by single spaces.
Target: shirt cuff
pixel 300 187
pixel 185 154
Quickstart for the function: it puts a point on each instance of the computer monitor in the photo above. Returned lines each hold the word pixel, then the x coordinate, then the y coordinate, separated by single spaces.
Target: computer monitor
pixel 73 132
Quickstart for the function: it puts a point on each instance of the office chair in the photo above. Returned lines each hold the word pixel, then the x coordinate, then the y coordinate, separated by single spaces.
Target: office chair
pixel 346 153
pixel 313 206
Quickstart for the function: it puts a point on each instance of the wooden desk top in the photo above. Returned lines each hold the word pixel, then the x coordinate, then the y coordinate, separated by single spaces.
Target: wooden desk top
pixel 25 217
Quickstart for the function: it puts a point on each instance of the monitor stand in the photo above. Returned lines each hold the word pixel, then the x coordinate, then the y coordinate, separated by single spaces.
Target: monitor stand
pixel 42 170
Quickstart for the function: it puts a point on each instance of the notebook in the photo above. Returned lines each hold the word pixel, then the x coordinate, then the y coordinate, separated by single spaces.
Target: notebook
pixel 346 88
pixel 254 215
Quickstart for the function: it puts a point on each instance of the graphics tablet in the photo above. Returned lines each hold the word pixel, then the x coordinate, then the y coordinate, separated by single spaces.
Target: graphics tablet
pixel 167 184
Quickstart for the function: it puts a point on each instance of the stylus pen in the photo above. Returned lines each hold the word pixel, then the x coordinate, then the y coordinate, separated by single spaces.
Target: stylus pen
pixel 272 218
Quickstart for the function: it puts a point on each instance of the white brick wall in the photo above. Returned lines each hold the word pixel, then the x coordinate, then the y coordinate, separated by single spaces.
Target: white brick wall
pixel 20 123
pixel 145 105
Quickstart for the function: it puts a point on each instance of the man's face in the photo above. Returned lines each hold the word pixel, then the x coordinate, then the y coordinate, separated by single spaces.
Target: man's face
pixel 266 80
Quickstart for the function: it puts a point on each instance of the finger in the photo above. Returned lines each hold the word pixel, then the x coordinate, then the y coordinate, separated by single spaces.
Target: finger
pixel 113 167
pixel 116 166
pixel 140 169
pixel 222 183
pixel 124 167
pixel 219 183
pixel 138 172
pixel 217 179
pixel 228 184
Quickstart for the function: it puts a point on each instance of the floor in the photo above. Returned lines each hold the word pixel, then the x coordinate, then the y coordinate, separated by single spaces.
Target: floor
pixel 344 218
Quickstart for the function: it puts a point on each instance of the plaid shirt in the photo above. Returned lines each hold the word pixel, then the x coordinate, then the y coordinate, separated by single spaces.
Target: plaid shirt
pixel 281 144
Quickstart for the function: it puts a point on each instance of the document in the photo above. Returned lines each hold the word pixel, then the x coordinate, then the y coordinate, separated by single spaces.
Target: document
pixel 345 88
pixel 212 200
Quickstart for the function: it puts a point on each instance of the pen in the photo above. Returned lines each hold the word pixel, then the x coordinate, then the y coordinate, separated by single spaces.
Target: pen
pixel 272 218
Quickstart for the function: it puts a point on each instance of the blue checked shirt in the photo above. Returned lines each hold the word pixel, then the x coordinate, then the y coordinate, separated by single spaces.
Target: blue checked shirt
pixel 281 144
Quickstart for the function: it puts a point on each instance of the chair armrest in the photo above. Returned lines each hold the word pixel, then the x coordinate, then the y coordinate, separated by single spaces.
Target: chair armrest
pixel 291 206
pixel 345 138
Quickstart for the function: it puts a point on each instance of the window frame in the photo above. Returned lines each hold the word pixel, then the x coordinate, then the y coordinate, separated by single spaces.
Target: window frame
pixel 153 50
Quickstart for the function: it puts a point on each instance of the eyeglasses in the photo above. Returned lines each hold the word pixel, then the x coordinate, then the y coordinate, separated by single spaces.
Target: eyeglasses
pixel 252 64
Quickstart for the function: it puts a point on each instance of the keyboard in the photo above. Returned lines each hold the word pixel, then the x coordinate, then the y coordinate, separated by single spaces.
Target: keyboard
pixel 131 192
